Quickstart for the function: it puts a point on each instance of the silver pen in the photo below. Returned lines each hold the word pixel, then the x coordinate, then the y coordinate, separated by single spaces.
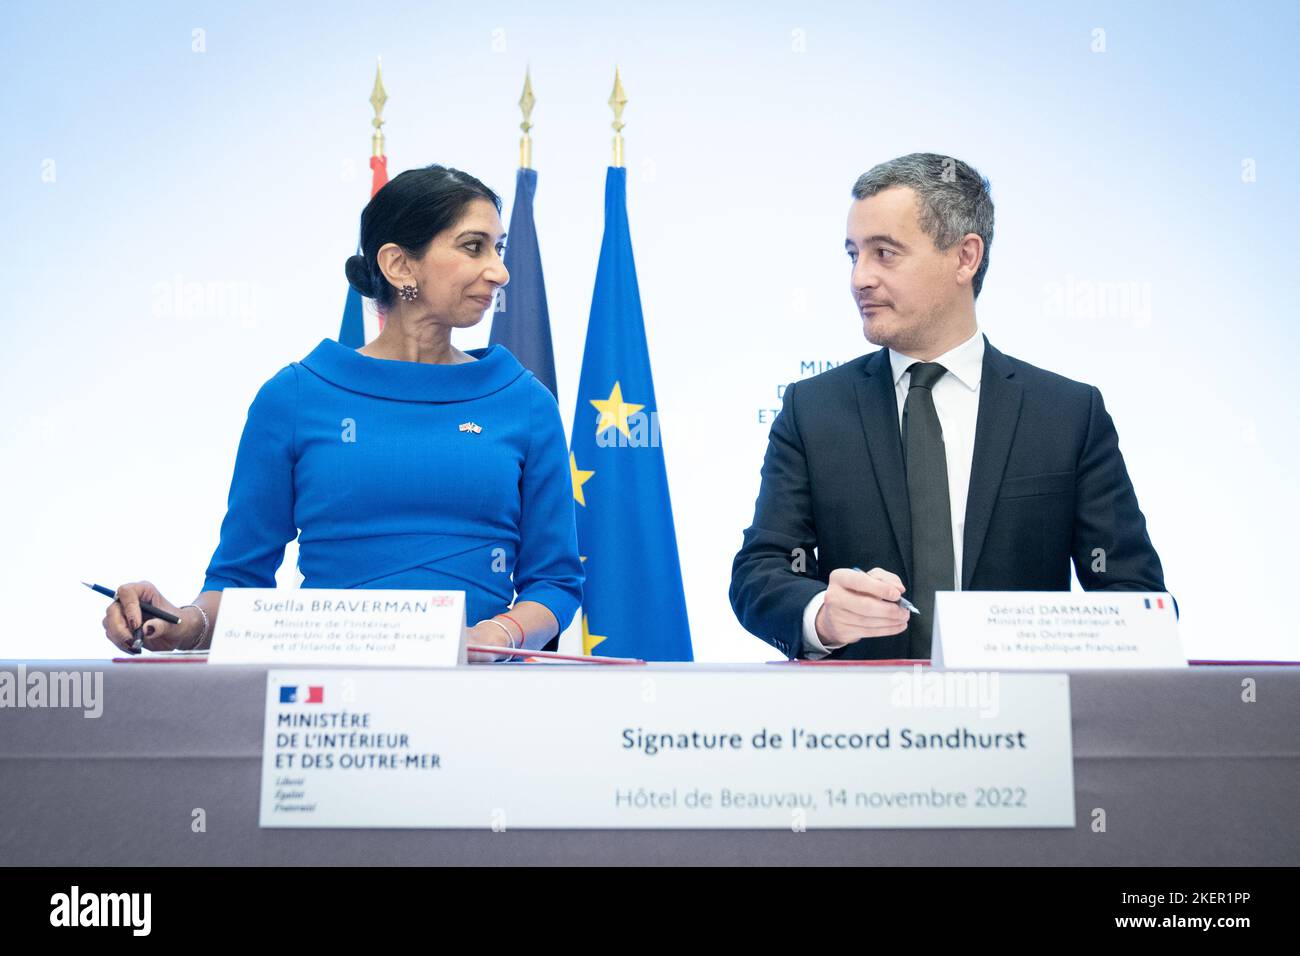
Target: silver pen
pixel 902 602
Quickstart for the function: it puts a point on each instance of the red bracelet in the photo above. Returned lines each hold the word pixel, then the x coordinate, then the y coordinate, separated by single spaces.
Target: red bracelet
pixel 516 624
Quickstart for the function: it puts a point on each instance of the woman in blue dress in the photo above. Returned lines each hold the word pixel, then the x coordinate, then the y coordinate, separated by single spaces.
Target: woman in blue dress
pixel 407 463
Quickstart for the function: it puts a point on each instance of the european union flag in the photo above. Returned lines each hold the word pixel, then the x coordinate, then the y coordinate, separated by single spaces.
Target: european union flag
pixel 522 323
pixel 632 604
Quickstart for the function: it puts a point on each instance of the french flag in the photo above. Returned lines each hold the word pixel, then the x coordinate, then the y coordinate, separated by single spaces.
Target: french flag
pixel 315 695
pixel 1160 603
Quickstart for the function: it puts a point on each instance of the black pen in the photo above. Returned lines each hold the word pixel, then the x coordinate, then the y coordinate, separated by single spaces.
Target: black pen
pixel 146 609
pixel 902 602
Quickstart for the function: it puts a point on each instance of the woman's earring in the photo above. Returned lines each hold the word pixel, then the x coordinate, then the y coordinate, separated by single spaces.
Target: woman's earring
pixel 408 293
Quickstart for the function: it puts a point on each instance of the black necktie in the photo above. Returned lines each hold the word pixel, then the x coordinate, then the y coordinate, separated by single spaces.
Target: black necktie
pixel 927 493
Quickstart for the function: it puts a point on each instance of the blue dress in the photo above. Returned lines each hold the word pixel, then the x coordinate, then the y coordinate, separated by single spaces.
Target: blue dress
pixel 406 475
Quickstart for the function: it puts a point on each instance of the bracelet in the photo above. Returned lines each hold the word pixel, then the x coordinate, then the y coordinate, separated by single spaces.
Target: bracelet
pixel 202 633
pixel 509 637
pixel 516 624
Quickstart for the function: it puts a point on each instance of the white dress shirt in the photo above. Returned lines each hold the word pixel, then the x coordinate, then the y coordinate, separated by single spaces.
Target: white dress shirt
pixel 957 402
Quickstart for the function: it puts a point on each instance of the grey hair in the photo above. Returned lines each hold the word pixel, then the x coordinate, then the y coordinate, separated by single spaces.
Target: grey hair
pixel 953 199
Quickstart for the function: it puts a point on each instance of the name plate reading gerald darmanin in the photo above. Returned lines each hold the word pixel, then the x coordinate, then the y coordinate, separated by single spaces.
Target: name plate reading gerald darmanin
pixel 1055 630
pixel 324 626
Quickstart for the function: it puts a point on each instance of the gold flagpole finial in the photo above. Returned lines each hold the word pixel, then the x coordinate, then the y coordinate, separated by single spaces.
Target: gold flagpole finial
pixel 377 99
pixel 618 100
pixel 526 103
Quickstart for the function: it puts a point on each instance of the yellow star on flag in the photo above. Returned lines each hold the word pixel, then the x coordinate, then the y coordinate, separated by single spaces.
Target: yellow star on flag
pixel 614 411
pixel 580 478
pixel 589 640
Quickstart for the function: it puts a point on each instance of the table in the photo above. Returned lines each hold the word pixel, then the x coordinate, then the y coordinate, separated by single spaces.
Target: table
pixel 1187 772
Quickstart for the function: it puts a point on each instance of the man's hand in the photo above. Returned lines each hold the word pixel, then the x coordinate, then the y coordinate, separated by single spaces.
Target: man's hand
pixel 860 604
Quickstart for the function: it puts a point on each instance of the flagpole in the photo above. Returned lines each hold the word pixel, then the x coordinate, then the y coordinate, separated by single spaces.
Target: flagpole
pixel 352 330
pixel 526 103
pixel 522 322
pixel 378 97
pixel 618 100
pixel 378 161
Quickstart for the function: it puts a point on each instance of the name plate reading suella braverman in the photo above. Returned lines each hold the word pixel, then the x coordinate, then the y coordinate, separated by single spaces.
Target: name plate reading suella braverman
pixel 352 627
pixel 531 747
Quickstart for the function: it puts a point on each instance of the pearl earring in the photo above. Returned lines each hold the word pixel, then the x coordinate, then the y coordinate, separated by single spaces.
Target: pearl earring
pixel 408 293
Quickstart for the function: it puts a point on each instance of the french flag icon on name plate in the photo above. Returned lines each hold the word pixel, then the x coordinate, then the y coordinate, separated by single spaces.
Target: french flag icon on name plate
pixel 1160 603
pixel 289 695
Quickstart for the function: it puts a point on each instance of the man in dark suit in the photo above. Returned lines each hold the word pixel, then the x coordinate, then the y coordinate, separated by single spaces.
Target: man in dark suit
pixel 937 462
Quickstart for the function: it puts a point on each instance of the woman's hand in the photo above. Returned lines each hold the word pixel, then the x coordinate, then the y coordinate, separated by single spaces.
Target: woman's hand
pixel 486 633
pixel 124 616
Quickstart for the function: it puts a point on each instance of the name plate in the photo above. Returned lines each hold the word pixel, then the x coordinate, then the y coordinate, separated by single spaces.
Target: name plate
pixel 349 627
pixel 580 748
pixel 1051 630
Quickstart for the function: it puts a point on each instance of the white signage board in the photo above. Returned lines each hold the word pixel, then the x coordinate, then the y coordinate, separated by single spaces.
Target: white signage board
pixel 1055 630
pixel 549 747
pixel 348 627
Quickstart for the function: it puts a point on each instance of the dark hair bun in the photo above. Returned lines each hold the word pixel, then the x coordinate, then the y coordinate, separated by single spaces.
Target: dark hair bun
pixel 359 277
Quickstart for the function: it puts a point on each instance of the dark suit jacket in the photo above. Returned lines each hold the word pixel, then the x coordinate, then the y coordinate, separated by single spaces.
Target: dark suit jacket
pixel 1048 485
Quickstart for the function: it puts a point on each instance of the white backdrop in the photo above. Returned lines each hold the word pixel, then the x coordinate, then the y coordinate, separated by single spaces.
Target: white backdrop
pixel 182 183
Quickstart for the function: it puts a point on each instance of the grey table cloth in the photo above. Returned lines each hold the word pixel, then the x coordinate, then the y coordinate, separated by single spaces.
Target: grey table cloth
pixel 1188 772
